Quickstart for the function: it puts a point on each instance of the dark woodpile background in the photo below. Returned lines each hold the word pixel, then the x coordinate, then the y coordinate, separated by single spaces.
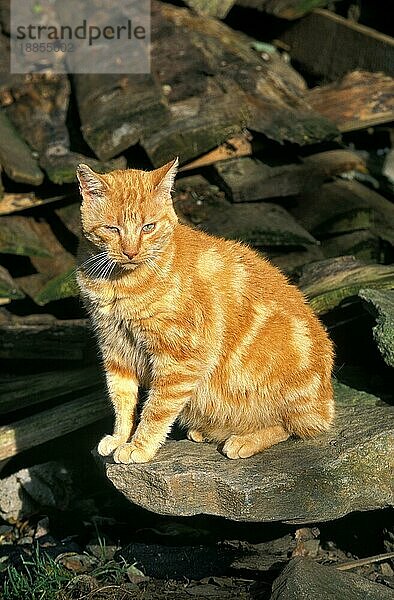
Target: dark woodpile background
pixel 297 162
pixel 282 115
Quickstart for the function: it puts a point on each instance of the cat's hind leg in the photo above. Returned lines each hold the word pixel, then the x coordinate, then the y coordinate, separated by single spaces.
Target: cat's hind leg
pixel 243 446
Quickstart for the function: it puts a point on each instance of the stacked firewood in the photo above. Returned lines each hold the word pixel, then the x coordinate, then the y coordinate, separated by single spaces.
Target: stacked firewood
pixel 304 174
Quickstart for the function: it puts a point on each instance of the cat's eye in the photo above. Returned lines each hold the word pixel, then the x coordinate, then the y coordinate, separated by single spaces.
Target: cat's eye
pixel 112 228
pixel 148 227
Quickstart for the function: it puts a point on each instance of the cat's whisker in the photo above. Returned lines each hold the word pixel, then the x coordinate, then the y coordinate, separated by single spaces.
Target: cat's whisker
pixel 96 268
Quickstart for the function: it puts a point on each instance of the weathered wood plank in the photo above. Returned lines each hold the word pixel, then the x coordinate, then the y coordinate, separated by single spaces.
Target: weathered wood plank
pixel 46 338
pixel 361 99
pixel 329 46
pixel 18 235
pixel 9 290
pixel 20 391
pixel 235 147
pixel 217 86
pixel 38 109
pixel 344 206
pixel 55 277
pixel 284 9
pixel 117 111
pixel 213 8
pixel 260 224
pixel 329 283
pixel 52 423
pixel 363 245
pixel 11 203
pixel 249 179
pixel 16 157
pixel 70 216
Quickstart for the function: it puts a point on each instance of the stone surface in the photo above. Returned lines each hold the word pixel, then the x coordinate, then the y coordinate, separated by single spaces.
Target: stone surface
pixel 381 304
pixel 297 481
pixel 306 579
pixel 29 490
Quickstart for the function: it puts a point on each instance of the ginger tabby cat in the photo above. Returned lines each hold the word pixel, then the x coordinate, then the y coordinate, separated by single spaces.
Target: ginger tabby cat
pixel 215 332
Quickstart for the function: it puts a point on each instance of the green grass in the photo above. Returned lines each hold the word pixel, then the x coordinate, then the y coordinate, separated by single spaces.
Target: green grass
pixel 41 578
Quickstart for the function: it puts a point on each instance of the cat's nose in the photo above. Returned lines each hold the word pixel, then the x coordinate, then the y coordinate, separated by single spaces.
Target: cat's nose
pixel 129 253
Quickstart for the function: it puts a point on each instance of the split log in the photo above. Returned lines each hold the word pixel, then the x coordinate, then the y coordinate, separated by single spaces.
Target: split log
pixel 52 423
pixel 45 338
pixel 291 262
pixel 213 8
pixel 363 245
pixel 55 277
pixel 260 224
pixel 118 111
pixel 217 85
pixel 249 179
pixel 337 281
pixel 15 156
pixel 38 110
pixel 329 46
pixel 381 305
pixel 284 9
pixel 71 217
pixel 235 147
pixel 9 290
pixel 19 235
pixel 345 206
pixel 359 100
pixel 11 203
pixel 21 391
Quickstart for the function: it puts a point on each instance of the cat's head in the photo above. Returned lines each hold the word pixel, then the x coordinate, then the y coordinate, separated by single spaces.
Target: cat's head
pixel 128 214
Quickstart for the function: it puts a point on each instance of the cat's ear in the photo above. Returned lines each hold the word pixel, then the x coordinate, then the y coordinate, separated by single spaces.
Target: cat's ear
pixel 91 184
pixel 164 177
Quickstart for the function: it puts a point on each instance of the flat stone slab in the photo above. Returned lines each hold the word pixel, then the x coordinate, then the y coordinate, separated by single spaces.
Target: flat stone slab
pixel 346 470
pixel 304 578
pixel 381 305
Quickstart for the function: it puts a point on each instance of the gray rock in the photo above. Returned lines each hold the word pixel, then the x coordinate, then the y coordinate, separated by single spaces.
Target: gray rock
pixel 28 490
pixel 303 578
pixel 296 481
pixel 381 305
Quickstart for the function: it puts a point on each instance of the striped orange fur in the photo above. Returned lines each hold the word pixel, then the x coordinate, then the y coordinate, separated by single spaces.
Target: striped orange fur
pixel 215 332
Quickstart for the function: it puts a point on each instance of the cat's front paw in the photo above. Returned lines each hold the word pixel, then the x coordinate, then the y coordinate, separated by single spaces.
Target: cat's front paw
pixel 195 436
pixel 109 443
pixel 130 453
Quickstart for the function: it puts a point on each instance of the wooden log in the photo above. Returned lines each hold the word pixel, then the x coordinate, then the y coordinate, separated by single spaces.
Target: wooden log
pixel 70 216
pixel 329 46
pixel 333 282
pixel 16 157
pixel 52 423
pixel 291 261
pixel 11 203
pixel 9 290
pixel 46 338
pixel 19 235
pixel 363 245
pixel 261 224
pixel 117 111
pixel 344 206
pixel 361 99
pixel 38 110
pixel 235 147
pixel 213 8
pixel 284 9
pixel 217 86
pixel 21 391
pixel 249 179
pixel 55 277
